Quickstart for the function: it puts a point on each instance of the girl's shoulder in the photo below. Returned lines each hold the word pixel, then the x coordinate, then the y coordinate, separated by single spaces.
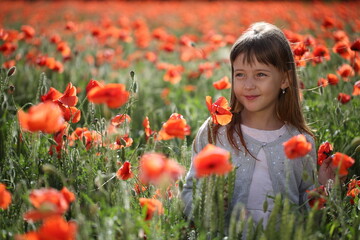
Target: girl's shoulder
pixel 293 131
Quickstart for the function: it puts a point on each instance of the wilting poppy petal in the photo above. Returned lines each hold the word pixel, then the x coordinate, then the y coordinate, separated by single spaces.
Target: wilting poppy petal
pixel 125 172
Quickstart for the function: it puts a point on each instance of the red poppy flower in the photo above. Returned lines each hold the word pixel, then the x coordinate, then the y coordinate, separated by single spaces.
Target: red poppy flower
pixel 69 97
pixel 322 82
pixel 28 31
pixel 151 166
pixel 353 190
pixel 51 95
pixel 47 203
pixel 346 71
pixel 296 147
pixel 77 134
pixel 355 46
pixel 343 98
pixel 113 95
pixel 151 56
pixel 5 197
pixel 147 129
pixel 356 90
pixel 223 83
pixel 320 54
pixel 45 117
pixel 341 36
pixel 121 142
pixel 70 113
pixel 207 68
pixel 328 22
pixel 219 110
pixel 325 150
pixel 317 195
pixel 92 138
pixel 332 79
pixel 92 84
pixel 174 127
pixel 68 195
pixel 355 63
pixel 156 168
pixel 153 206
pixel 300 49
pixel 119 119
pixel 212 160
pixel 343 162
pixel 124 173
pixel 58 137
pixel 343 49
pixel 173 74
pixel 56 228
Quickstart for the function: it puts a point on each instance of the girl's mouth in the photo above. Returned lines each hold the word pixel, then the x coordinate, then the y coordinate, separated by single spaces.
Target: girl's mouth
pixel 251 97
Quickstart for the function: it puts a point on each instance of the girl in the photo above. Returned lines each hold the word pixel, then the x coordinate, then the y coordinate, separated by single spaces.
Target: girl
pixel 266 111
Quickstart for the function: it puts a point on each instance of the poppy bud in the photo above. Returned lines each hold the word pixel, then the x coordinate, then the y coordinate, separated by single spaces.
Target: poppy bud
pixel 135 87
pixel 11 89
pixel 132 74
pixel 11 71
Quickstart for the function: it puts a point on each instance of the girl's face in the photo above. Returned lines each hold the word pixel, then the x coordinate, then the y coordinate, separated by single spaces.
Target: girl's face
pixel 257 87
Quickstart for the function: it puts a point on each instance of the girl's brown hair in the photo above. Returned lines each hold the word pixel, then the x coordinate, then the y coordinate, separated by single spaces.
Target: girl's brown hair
pixel 267 44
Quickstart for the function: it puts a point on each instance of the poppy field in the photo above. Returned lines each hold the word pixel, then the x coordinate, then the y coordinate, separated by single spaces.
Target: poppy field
pixel 100 103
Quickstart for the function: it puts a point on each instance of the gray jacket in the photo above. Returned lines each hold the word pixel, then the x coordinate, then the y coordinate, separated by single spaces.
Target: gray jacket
pixel 296 186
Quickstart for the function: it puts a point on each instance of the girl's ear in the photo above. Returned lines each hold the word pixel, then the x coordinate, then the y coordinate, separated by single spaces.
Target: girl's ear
pixel 286 80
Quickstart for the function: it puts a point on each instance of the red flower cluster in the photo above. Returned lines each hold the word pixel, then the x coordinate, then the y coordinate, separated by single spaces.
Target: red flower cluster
pixel 50 204
pixel 353 190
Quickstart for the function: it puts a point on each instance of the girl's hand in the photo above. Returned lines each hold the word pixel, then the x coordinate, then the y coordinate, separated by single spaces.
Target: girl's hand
pixel 327 171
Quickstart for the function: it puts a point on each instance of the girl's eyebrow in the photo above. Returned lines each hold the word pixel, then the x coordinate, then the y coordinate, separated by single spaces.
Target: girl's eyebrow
pixel 259 69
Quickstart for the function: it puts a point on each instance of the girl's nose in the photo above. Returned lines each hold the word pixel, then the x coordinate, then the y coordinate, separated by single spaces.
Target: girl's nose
pixel 249 84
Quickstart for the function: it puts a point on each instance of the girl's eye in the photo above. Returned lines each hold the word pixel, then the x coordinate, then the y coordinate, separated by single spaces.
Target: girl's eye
pixel 239 75
pixel 261 75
